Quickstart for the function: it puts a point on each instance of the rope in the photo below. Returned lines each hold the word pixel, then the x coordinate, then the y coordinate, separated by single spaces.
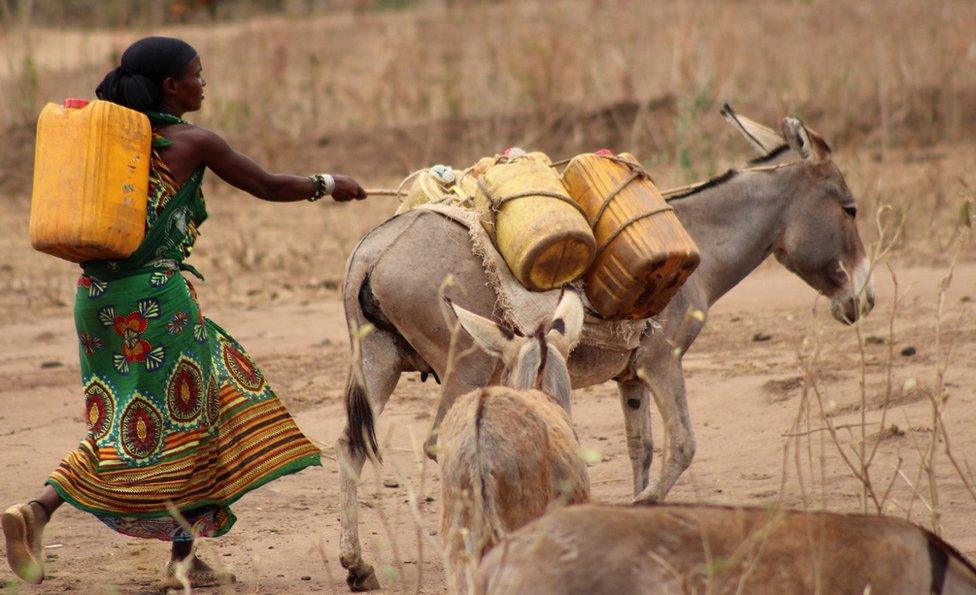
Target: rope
pixel 496 203
pixel 603 245
pixel 613 194
pixel 384 192
pixel 398 191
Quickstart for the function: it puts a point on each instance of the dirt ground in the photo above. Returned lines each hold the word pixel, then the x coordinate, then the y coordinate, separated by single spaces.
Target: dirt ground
pixel 744 387
pixel 896 108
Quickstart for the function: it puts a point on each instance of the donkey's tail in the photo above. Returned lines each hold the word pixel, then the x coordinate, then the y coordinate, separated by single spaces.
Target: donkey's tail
pixel 359 415
pixel 952 573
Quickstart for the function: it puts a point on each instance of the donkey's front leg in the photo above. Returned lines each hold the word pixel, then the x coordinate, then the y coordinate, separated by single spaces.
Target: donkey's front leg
pixel 667 384
pixel 635 399
pixel 472 371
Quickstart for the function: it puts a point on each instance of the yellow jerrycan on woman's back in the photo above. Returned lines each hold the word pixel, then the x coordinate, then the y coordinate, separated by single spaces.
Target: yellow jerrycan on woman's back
pixel 91 180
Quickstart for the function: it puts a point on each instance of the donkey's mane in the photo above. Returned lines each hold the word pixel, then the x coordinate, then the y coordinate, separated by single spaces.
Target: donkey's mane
pixel 685 191
pixel 770 155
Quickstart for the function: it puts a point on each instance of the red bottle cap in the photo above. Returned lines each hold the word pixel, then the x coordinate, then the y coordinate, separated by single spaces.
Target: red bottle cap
pixel 605 153
pixel 74 103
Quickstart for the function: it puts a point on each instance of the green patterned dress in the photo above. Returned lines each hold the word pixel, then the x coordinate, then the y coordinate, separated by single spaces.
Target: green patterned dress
pixel 177 412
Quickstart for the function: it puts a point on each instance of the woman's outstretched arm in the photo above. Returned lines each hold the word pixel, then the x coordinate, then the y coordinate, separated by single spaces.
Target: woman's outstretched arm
pixel 242 172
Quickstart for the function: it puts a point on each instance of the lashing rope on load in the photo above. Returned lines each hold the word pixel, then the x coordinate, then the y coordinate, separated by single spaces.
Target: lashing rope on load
pixel 603 245
pixel 496 203
pixel 636 173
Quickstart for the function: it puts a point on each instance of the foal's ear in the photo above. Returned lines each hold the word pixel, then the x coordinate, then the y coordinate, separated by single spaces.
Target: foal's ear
pixel 489 335
pixel 567 323
pixel 803 141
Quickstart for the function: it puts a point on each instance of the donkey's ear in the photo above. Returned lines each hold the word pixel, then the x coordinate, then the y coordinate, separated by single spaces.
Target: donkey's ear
pixel 490 336
pixel 763 139
pixel 804 142
pixel 567 323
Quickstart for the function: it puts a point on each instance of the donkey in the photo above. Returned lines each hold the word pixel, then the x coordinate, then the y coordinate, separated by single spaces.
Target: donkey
pixel 508 453
pixel 676 548
pixel 793 204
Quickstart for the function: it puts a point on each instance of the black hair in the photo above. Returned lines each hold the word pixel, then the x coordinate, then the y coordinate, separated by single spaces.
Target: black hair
pixel 137 83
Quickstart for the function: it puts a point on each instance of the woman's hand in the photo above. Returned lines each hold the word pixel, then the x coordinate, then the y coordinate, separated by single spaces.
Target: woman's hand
pixel 346 189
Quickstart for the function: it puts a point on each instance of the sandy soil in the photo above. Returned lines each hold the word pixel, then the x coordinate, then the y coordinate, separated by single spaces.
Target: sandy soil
pixel 745 391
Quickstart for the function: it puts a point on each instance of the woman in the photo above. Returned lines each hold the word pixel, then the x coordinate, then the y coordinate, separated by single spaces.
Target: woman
pixel 178 415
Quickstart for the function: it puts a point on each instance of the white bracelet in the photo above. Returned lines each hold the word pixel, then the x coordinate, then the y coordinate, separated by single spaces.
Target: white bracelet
pixel 322 185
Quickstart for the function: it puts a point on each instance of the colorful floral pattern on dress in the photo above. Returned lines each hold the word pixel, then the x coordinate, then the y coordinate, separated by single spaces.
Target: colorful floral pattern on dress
pixel 241 369
pixel 203 525
pixel 213 403
pixel 200 327
pixel 185 392
pixel 160 278
pixel 99 408
pixel 200 332
pixel 140 429
pixel 177 323
pixel 95 287
pixel 130 328
pixel 90 343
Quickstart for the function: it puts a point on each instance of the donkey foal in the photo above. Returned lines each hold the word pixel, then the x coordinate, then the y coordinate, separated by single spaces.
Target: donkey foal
pixel 612 550
pixel 508 453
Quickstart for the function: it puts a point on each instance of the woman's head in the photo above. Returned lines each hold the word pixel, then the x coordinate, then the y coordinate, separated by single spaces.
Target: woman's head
pixel 156 73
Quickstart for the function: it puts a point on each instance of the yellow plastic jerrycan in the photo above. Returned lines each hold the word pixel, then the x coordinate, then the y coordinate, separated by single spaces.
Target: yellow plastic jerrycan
pixel 538 229
pixel 91 180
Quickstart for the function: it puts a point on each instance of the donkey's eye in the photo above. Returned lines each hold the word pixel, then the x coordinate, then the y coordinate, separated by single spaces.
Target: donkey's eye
pixel 851 211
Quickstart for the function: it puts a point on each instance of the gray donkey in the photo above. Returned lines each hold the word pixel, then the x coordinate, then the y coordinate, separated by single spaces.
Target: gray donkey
pixel 793 204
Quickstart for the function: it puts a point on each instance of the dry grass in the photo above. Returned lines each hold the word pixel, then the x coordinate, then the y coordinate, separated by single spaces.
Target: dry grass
pixel 888 83
pixel 892 73
pixel 891 84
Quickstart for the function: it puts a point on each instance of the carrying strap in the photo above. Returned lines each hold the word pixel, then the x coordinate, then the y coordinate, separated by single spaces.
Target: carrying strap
pixel 163 118
pixel 141 260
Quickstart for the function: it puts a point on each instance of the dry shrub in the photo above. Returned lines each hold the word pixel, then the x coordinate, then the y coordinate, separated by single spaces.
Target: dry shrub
pixel 431 84
pixel 896 73
pixel 860 434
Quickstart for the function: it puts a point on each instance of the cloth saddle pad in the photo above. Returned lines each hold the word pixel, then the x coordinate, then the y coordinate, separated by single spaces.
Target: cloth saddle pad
pixel 524 310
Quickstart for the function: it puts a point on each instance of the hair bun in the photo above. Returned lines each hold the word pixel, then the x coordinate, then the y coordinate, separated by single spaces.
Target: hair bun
pixel 129 89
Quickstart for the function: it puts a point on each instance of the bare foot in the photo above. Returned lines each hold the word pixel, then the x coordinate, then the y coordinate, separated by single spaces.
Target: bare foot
pixel 22 529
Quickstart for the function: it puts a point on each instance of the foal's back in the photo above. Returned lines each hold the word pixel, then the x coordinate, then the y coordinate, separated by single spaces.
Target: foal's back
pixel 686 548
pixel 518 447
pixel 506 457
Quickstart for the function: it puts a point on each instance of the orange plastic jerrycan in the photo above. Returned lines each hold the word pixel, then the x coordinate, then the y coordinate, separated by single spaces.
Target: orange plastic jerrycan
pixel 91 180
pixel 643 253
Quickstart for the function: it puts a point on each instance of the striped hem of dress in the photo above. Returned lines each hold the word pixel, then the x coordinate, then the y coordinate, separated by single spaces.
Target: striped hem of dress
pixel 313 460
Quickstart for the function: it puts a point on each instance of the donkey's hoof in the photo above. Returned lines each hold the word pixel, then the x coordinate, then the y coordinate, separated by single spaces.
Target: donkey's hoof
pixel 362 580
pixel 650 495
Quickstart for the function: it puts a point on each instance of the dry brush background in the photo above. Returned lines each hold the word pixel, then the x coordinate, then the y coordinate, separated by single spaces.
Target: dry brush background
pixel 377 89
